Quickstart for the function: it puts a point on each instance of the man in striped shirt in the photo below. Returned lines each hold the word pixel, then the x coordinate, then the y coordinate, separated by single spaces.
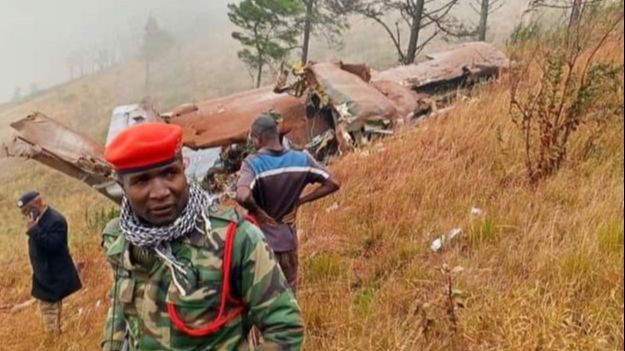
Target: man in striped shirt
pixel 271 185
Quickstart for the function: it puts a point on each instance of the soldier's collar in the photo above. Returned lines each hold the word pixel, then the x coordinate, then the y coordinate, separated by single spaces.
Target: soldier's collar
pixel 225 214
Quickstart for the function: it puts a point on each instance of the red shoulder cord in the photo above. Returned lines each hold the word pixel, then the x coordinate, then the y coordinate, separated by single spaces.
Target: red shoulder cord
pixel 223 317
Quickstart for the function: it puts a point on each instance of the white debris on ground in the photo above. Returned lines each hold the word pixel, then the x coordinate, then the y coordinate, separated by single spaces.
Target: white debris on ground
pixel 440 242
pixel 333 208
pixel 476 211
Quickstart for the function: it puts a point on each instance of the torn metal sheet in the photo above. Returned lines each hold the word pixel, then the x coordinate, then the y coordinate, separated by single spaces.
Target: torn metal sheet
pixel 128 115
pixel 349 94
pixel 362 71
pixel 364 103
pixel 305 130
pixel 356 109
pixel 449 69
pixel 225 121
pixel 408 103
pixel 45 140
pixel 67 144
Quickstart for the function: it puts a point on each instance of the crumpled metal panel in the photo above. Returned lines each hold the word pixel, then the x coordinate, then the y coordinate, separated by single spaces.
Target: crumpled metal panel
pixel 407 102
pixel 227 120
pixel 364 102
pixel 127 115
pixel 49 142
pixel 467 59
pixel 362 71
pixel 54 137
pixel 304 130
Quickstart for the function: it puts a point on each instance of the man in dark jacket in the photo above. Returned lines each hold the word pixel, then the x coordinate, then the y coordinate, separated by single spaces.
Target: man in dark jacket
pixel 54 273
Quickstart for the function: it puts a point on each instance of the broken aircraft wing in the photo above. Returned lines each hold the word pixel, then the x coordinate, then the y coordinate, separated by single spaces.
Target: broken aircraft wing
pixel 45 140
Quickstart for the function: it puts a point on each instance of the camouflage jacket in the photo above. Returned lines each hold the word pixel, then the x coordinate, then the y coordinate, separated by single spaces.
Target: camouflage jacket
pixel 141 292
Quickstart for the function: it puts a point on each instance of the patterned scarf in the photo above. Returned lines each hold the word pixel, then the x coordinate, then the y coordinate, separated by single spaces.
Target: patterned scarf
pixel 194 217
pixel 144 236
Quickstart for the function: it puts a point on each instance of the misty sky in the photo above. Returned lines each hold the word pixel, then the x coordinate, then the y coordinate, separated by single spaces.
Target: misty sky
pixel 37 36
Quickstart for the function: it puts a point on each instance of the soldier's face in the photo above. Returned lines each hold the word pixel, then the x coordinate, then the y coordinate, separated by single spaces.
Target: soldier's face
pixel 158 195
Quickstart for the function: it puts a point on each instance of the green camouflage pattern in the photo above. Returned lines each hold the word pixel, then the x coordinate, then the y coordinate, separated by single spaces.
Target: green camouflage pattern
pixel 143 287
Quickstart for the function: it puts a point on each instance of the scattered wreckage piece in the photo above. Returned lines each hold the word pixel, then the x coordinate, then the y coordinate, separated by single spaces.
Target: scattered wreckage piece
pixel 449 70
pixel 225 121
pixel 409 104
pixel 341 96
pixel 49 142
pixel 127 115
pixel 358 103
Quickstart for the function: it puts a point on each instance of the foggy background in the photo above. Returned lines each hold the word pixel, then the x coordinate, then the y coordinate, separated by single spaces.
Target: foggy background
pixel 37 37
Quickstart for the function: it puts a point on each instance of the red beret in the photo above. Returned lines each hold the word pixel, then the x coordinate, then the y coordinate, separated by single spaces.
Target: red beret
pixel 144 146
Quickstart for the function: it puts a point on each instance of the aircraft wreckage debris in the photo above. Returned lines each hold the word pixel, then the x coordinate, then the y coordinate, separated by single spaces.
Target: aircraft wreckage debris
pixel 329 109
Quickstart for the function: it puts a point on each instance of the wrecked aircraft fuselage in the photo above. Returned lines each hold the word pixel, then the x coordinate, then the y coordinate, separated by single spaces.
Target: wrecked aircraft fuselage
pixel 329 108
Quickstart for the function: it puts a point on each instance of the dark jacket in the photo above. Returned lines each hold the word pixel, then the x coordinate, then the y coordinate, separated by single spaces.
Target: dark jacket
pixel 54 274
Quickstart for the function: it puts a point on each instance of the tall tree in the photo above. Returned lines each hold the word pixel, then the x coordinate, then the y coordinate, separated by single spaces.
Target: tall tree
pixel 310 8
pixel 485 8
pixel 416 16
pixel 576 7
pixel 325 18
pixel 156 41
pixel 576 13
pixel 268 31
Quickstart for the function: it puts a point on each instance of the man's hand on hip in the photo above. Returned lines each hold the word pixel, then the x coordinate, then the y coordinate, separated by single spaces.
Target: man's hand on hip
pixel 265 219
pixel 291 218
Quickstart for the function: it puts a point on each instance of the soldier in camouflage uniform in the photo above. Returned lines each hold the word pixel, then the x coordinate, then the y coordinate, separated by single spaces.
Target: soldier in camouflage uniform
pixel 187 278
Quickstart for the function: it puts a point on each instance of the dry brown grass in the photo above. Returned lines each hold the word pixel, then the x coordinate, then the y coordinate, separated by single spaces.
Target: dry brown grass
pixel 543 266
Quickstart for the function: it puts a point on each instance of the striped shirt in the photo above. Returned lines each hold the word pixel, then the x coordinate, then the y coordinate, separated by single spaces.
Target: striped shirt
pixel 277 180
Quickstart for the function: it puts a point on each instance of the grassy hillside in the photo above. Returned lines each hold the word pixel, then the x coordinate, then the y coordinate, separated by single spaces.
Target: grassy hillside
pixel 541 267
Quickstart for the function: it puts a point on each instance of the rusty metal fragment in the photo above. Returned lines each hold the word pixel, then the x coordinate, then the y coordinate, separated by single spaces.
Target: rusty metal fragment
pixel 45 140
pixel 450 69
pixel 408 103
pixel 354 96
pixel 227 120
pixel 341 95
